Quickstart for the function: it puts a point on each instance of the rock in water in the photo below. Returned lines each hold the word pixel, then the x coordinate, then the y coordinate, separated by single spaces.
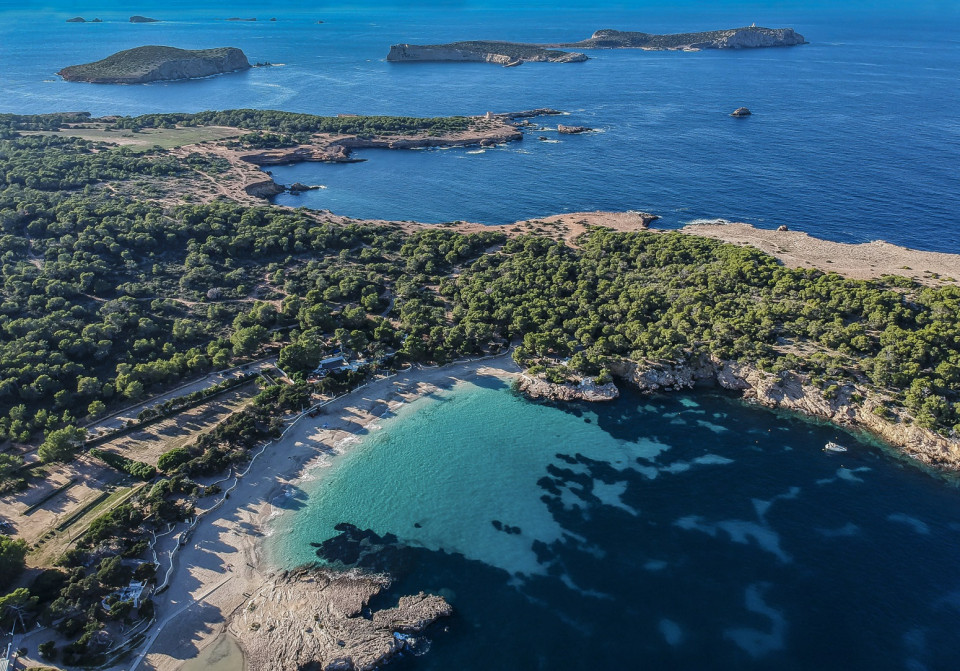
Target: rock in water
pixel 741 112
pixel 572 130
pixel 157 63
pixel 143 19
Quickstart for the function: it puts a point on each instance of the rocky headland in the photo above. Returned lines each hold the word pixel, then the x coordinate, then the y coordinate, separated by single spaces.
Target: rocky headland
pixel 501 53
pixel 157 63
pixel 318 619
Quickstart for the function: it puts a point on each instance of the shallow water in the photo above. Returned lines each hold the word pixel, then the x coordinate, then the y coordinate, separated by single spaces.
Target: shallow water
pixel 222 655
pixel 685 530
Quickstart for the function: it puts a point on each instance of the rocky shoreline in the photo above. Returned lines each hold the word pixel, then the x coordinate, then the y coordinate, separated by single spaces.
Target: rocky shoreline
pixel 537 387
pixel 487 131
pixel 313 618
pixel 851 406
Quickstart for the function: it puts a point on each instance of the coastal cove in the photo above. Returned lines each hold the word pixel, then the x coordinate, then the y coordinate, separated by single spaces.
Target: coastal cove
pixel 469 336
pixel 531 523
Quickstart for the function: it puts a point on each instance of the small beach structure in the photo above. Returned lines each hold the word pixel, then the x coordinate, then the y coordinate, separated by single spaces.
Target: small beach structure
pixel 131 592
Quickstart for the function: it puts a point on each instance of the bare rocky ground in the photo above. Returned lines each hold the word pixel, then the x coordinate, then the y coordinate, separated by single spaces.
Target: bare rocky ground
pixel 312 618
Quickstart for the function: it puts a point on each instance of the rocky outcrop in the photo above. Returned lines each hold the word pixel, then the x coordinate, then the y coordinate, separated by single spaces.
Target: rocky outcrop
pixel 319 619
pixel 584 390
pixel 300 187
pixel 651 377
pixel 264 189
pixel 572 130
pixel 143 19
pixel 752 37
pixel 501 53
pixel 741 112
pixel 80 19
pixel 850 405
pixel 157 63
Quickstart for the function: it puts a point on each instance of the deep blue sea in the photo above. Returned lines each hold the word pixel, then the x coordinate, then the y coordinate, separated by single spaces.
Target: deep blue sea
pixel 855 136
pixel 684 531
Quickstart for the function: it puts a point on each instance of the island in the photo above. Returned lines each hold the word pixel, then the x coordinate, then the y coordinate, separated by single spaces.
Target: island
pixel 157 63
pixel 515 53
pixel 751 37
pixel 80 19
pixel 507 54
pixel 143 19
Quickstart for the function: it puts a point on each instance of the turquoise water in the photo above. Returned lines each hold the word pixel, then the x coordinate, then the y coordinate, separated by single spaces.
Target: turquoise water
pixel 683 531
pixel 855 136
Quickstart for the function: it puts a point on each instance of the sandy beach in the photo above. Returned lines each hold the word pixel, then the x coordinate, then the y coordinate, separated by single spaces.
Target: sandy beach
pixel 223 561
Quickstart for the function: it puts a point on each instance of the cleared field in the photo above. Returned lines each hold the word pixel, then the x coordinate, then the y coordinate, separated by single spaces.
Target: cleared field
pixel 148 444
pixel 60 505
pixel 58 538
pixel 64 490
pixel 168 138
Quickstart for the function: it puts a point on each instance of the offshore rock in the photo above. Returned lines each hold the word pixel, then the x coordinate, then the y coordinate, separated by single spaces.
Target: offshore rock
pixel 584 390
pixel 572 130
pixel 741 112
pixel 314 619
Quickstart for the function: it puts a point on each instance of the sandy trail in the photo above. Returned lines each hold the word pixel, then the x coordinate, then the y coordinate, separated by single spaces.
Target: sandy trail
pixel 225 550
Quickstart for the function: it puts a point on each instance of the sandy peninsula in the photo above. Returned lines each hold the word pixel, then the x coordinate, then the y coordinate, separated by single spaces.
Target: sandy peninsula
pixel 223 565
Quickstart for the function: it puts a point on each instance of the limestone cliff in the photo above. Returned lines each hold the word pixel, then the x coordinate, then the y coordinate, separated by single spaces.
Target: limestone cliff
pixel 157 63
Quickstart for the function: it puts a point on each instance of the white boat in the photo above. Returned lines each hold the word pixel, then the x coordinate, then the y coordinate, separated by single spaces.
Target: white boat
pixel 834 447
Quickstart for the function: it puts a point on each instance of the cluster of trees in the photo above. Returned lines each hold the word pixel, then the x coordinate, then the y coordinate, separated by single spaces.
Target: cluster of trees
pixel 671 297
pixel 261 140
pixel 292 123
pixel 137 469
